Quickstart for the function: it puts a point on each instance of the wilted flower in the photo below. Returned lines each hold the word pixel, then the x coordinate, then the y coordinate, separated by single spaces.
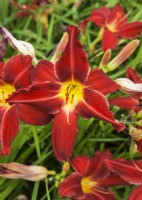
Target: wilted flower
pixel 68 89
pixel 23 47
pixel 132 85
pixel 114 25
pixel 90 179
pixel 15 170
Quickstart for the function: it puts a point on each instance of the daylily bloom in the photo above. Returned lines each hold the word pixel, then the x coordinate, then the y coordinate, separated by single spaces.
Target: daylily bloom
pixel 15 170
pixel 130 171
pixel 68 89
pixel 90 179
pixel 114 25
pixel 15 75
pixel 25 10
pixel 133 84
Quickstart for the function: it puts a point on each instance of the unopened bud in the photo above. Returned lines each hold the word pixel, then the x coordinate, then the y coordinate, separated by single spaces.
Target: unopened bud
pixel 66 167
pixel 19 171
pixel 60 48
pixel 123 55
pixel 105 59
pixel 135 133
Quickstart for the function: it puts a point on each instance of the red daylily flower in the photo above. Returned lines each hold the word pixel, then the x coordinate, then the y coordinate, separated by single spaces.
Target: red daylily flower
pixel 130 171
pixel 114 24
pixel 90 179
pixel 68 89
pixel 129 102
pixel 15 75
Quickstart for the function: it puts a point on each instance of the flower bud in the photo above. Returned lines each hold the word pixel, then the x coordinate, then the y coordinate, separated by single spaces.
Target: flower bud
pixel 60 48
pixel 135 133
pixel 15 170
pixel 123 55
pixel 105 59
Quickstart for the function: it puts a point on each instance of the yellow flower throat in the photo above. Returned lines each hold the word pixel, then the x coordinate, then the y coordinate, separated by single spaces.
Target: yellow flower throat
pixel 71 93
pixel 5 91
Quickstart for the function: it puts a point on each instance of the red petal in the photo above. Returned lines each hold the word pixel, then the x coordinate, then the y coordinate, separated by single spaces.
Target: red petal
pixel 125 102
pixel 130 30
pixel 97 168
pixel 2 111
pixel 33 114
pixel 117 16
pixel 126 170
pixel 96 105
pixel 139 146
pixel 71 187
pixel 94 167
pixel 17 70
pixel 1 68
pixel 99 16
pixel 44 95
pixel 9 128
pixel 64 134
pixel 133 75
pixel 80 164
pixel 102 194
pixel 43 72
pixel 136 193
pixel 109 40
pixel 113 180
pixel 98 80
pixel 74 63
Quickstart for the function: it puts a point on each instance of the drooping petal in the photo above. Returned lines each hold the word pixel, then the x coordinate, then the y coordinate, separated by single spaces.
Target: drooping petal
pixel 113 180
pixel 33 114
pixel 98 80
pixel 96 105
pixel 44 95
pixel 73 64
pixel 9 128
pixel 109 40
pixel 126 170
pixel 125 102
pixel 64 131
pixel 99 16
pixel 117 16
pixel 2 111
pixel 43 72
pixel 133 75
pixel 136 194
pixel 130 30
pixel 128 86
pixel 16 70
pixel 71 187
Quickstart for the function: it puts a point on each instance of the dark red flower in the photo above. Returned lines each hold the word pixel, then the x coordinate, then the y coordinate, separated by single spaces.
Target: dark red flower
pixel 68 89
pixel 90 179
pixel 15 74
pixel 130 171
pixel 114 25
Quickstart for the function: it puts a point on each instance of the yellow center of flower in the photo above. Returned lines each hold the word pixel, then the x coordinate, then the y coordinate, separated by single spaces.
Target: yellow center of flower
pixel 72 93
pixel 5 91
pixel 88 186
